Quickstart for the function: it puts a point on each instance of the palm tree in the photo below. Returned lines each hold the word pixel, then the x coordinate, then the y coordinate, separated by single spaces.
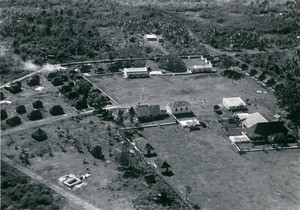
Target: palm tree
pixel 131 113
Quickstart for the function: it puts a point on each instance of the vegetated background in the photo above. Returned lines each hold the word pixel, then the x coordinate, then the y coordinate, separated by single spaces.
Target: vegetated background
pixel 20 192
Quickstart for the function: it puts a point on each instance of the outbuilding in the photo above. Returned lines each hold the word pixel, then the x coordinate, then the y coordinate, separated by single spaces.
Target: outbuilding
pixel 179 107
pixel 261 131
pixel 144 147
pixel 234 103
pixel 135 72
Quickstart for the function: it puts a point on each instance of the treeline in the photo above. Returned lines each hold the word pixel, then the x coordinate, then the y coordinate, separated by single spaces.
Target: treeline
pixel 19 192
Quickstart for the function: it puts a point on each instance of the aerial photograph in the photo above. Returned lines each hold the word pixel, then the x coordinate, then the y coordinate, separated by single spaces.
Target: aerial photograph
pixel 150 104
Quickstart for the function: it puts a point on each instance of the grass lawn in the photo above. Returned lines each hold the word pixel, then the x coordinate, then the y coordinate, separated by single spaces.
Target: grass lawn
pixel 200 91
pixel 223 179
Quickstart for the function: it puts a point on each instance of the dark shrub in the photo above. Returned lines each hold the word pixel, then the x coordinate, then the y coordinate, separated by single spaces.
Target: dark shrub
pixel 172 63
pixel 56 81
pixel 51 75
pixel 13 121
pixel 35 115
pixel 33 82
pixel 81 104
pixel 56 110
pixel 37 104
pixel 72 95
pixel 65 89
pixel 21 109
pixel 39 135
pixel 2 96
pixel 85 68
pixel 97 152
pixel 3 114
pixel 15 88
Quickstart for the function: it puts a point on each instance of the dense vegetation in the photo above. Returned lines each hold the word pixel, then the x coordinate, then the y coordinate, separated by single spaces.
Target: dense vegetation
pixel 19 192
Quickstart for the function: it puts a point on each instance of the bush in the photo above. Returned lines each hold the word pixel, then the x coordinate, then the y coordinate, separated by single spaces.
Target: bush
pixel 56 110
pixel 39 135
pixel 81 104
pixel 56 81
pixel 3 114
pixel 253 72
pixel 97 152
pixel 2 97
pixel 15 88
pixel 72 95
pixel 13 121
pixel 35 115
pixel 37 104
pixel 21 109
pixel 232 74
pixel 51 75
pixel 33 82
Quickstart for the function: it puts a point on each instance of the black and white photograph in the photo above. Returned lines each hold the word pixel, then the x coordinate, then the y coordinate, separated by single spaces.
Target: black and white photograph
pixel 150 104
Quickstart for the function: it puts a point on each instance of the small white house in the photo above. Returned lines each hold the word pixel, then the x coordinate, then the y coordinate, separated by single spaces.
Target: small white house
pixel 179 107
pixel 135 72
pixel 234 103
pixel 151 37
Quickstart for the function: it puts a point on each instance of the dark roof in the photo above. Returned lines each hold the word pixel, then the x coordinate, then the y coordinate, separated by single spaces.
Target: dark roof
pixel 142 144
pixel 179 104
pixel 160 163
pixel 266 128
pixel 147 110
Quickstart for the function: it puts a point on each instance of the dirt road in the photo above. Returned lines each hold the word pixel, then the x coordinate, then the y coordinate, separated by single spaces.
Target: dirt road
pixel 58 189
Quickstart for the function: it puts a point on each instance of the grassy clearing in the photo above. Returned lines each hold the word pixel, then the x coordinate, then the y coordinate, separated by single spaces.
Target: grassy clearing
pixel 200 91
pixel 222 179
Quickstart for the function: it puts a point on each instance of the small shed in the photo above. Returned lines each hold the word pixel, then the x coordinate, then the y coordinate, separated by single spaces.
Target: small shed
pixel 163 166
pixel 144 147
pixel 234 103
pixel 179 107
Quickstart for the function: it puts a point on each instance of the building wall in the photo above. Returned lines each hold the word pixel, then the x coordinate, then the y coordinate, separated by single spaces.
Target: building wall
pixel 179 110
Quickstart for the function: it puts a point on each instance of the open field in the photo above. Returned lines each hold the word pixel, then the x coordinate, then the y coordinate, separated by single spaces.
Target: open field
pixel 222 179
pixel 201 91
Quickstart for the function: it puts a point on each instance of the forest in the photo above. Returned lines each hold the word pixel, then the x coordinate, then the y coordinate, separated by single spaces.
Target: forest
pixel 19 192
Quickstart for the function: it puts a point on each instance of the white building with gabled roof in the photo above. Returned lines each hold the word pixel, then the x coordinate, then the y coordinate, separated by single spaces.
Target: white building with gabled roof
pixel 179 107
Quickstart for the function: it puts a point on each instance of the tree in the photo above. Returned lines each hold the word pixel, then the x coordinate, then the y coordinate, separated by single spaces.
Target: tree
pixel 131 113
pixel 120 118
pixel 3 114
pixel 172 63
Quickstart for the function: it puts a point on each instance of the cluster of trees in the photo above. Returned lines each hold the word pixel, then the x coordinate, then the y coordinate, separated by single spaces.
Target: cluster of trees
pixel 172 63
pixel 289 99
pixel 19 192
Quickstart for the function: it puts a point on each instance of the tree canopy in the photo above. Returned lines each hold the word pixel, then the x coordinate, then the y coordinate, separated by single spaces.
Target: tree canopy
pixel 172 63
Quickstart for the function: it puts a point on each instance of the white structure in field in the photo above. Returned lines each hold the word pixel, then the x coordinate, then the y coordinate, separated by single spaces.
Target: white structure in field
pixel 179 107
pixel 151 37
pixel 235 103
pixel 135 72
pixel 195 65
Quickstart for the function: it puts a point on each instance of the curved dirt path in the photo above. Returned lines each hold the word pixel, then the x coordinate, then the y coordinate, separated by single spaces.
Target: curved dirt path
pixel 58 189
